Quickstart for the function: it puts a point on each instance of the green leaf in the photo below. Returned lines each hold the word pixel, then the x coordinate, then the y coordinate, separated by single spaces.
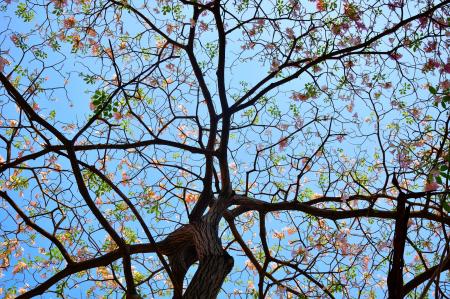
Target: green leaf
pixel 166 9
pixel 445 175
pixel 24 12
pixel 432 89
pixel 52 115
pixel 446 206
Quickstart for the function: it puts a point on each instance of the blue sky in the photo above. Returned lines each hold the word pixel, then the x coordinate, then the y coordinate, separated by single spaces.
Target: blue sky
pixel 352 114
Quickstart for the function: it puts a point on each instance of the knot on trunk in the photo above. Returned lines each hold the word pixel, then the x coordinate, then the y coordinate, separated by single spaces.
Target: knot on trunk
pixel 229 261
pixel 198 241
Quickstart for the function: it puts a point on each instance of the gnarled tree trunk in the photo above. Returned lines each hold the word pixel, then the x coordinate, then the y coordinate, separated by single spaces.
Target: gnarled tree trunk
pixel 199 241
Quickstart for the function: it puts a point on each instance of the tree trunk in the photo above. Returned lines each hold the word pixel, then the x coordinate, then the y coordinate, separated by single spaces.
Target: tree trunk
pixel 209 277
pixel 199 241
pixel 179 264
pixel 214 262
pixel 395 275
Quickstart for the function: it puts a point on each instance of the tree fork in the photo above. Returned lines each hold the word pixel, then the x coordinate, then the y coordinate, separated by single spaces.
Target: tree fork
pixel 214 262
pixel 180 263
pixel 204 245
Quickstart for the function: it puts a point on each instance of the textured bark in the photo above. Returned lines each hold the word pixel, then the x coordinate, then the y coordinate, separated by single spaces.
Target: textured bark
pixel 200 241
pixel 395 276
pixel 180 263
pixel 209 277
pixel 215 263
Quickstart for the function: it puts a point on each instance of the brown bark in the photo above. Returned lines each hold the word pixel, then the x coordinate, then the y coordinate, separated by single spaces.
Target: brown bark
pixel 179 264
pixel 395 276
pixel 214 262
pixel 199 241
pixel 210 276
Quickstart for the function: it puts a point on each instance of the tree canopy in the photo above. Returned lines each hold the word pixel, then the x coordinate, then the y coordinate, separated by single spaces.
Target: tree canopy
pixel 232 149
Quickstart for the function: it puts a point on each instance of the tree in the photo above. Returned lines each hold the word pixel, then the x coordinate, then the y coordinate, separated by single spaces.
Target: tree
pixel 242 148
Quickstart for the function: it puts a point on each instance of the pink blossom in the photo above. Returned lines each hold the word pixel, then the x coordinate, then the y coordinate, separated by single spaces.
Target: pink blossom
pixel 446 68
pixel 431 46
pixel 340 138
pixel 404 160
pixel 291 230
pixel 395 4
pixel 351 11
pixel 350 107
pixel 290 32
pixel 36 107
pixel 360 25
pixel 283 143
pixel 125 178
pixel 59 3
pixel 387 85
pixel 117 115
pixel 19 267
pixel 170 28
pixel 416 112
pixel 204 26
pixel 3 62
pixel 431 65
pixel 278 235
pixel 296 96
pixel 69 22
pixel 336 29
pixel 344 197
pixel 366 260
pixel 15 39
pixel 275 65
pixel 445 85
pixel 431 186
pixel 321 5
pixel 191 198
pixel 395 56
pixel 423 21
pixel 233 167
pixel 91 32
pixel 298 122
pixel 95 49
